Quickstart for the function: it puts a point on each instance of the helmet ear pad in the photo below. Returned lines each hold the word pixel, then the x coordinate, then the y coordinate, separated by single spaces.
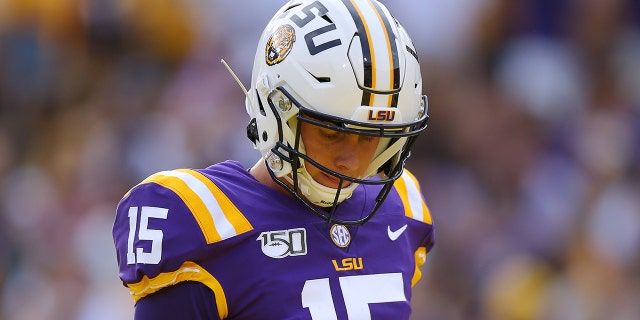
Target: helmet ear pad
pixel 252 131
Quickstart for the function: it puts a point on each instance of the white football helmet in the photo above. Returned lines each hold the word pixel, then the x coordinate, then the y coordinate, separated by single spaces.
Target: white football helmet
pixel 345 65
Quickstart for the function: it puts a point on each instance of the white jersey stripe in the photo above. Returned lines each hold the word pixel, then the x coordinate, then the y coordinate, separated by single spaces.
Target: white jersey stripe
pixel 223 226
pixel 414 196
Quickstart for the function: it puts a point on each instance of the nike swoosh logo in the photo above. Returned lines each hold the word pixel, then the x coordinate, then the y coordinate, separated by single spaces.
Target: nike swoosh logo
pixel 394 235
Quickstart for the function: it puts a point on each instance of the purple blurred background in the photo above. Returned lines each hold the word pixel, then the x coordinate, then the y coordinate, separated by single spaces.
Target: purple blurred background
pixel 530 165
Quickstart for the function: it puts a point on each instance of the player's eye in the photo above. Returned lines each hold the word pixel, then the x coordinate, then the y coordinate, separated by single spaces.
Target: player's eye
pixel 331 134
pixel 368 138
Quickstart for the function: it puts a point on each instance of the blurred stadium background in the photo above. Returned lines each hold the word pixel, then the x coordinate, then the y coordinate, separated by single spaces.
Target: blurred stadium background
pixel 531 164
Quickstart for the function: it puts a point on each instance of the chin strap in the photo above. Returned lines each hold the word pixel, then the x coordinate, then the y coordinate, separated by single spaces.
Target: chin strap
pixel 383 157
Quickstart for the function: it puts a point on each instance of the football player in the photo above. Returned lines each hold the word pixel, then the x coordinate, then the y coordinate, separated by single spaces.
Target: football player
pixel 328 224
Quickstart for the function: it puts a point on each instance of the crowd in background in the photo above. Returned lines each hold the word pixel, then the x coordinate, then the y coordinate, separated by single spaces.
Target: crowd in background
pixel 530 164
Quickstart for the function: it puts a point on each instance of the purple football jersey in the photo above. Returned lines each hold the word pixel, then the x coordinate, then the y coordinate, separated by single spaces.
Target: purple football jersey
pixel 263 254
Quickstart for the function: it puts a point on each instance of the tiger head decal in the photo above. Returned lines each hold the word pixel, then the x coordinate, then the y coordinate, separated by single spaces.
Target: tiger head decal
pixel 280 44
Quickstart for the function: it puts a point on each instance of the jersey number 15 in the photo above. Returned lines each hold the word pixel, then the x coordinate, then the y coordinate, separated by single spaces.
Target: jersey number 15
pixel 146 234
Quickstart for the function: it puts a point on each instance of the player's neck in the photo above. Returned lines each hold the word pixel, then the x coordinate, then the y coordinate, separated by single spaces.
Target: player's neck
pixel 259 172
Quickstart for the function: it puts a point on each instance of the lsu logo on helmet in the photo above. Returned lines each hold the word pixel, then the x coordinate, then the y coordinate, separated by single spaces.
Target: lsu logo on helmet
pixel 280 44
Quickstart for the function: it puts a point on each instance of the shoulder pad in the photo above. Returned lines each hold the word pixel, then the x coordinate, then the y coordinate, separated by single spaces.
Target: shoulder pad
pixel 165 223
pixel 214 212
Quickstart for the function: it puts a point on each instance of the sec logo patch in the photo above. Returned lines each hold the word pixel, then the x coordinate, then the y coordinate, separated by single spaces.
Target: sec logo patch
pixel 340 235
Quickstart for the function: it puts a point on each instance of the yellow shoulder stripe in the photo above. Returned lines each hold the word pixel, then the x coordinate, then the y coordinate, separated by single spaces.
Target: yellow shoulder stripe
pixel 409 190
pixel 189 271
pixel 216 215
pixel 420 257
